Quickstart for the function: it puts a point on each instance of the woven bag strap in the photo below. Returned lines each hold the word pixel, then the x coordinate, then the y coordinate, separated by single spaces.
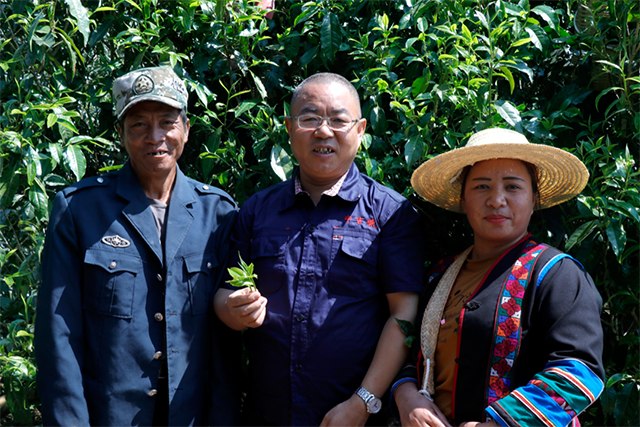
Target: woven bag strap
pixel 431 321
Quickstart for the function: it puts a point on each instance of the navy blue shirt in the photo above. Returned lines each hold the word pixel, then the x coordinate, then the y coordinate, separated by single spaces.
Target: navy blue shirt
pixel 325 271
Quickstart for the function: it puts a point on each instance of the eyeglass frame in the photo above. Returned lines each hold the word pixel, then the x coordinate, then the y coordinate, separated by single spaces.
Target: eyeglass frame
pixel 324 120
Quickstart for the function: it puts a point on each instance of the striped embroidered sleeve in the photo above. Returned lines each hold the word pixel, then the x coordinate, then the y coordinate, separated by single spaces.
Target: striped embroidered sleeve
pixel 554 397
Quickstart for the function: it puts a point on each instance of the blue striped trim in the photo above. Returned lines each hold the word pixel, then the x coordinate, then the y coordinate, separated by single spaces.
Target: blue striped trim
pixel 581 372
pixel 535 399
pixel 553 262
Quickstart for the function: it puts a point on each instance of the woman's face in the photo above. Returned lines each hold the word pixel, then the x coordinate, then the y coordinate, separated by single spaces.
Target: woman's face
pixel 498 200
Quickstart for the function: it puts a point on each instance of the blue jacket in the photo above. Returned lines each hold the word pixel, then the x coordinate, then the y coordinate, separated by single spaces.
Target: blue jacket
pixel 110 295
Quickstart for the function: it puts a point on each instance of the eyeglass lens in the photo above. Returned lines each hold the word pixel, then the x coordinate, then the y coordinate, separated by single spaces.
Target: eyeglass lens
pixel 312 121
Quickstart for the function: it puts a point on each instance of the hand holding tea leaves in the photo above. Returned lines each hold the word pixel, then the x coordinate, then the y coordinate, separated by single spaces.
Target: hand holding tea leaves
pixel 243 277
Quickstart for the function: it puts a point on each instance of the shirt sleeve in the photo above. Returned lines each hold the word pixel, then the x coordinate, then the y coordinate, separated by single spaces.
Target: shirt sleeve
pixel 568 306
pixel 402 251
pixel 240 243
pixel 59 346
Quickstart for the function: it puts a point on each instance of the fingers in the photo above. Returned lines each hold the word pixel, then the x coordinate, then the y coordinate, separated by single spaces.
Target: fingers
pixel 249 308
pixel 416 410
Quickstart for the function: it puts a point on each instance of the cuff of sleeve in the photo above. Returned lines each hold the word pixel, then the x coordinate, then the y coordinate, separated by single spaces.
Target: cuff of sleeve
pixel 493 415
pixel 392 402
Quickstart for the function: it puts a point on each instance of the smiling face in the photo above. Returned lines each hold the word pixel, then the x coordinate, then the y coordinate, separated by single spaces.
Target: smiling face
pixel 154 136
pixel 499 201
pixel 324 155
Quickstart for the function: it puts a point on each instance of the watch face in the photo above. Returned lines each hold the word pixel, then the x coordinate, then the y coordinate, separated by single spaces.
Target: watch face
pixel 375 405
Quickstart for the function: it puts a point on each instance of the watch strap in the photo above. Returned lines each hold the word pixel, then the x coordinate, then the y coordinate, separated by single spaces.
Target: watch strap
pixel 366 396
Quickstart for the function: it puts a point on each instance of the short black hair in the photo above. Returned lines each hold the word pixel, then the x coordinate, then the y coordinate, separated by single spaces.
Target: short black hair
pixel 327 79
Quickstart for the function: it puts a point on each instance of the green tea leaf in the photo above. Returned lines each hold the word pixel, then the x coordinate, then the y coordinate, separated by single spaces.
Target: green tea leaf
pixel 508 112
pixel 330 36
pixel 74 160
pixel 78 11
pixel 281 163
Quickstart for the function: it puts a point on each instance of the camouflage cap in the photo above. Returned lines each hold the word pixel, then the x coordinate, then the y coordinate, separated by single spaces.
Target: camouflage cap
pixel 159 84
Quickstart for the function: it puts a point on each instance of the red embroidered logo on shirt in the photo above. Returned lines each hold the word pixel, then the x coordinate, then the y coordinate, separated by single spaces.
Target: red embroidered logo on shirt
pixel 359 220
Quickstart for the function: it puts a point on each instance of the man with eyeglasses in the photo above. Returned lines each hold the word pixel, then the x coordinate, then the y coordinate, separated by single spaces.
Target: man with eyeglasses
pixel 339 257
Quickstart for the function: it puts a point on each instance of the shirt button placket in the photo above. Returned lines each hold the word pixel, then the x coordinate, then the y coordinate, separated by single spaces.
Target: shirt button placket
pixel 304 291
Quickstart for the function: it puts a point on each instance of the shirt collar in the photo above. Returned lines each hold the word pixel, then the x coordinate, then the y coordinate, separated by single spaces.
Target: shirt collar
pixel 350 188
pixel 331 192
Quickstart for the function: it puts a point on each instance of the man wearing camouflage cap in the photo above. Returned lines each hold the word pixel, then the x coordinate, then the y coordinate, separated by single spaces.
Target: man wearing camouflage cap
pixel 125 331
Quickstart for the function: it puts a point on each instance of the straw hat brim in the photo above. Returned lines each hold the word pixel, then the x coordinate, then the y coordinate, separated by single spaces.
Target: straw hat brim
pixel 561 175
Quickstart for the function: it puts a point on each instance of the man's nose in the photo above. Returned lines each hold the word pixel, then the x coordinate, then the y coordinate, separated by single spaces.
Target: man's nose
pixel 324 131
pixel 155 134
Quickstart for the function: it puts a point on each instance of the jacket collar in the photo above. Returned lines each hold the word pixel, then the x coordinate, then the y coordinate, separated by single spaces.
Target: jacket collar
pixel 137 212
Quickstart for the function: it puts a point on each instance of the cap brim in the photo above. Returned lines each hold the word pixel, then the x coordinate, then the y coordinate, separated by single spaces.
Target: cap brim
pixel 135 100
pixel 561 175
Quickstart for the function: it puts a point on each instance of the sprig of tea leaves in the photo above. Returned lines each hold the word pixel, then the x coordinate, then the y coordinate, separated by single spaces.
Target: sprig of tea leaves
pixel 243 277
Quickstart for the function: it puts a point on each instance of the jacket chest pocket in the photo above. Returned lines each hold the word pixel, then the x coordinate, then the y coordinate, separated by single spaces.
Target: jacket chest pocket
pixel 268 256
pixel 110 282
pixel 201 279
pixel 354 261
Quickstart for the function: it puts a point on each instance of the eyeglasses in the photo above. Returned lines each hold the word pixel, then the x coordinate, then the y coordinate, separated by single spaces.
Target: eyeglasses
pixel 313 122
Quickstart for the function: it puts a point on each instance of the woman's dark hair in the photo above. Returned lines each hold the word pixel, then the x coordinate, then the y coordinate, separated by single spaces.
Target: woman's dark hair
pixel 533 173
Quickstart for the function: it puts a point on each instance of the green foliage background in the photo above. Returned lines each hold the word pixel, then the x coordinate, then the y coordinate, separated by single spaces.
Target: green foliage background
pixel 429 73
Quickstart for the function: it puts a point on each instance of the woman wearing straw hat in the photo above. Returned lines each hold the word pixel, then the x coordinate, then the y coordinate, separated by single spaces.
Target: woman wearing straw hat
pixel 510 329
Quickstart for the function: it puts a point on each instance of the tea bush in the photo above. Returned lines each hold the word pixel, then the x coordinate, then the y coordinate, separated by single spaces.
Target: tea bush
pixel 429 74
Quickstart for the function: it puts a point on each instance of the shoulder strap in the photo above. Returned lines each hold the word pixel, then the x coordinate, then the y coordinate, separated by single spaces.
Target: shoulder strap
pixel 507 326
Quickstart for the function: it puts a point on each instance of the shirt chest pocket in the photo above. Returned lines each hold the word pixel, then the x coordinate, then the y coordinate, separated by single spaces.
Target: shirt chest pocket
pixel 200 268
pixel 110 281
pixel 354 264
pixel 268 257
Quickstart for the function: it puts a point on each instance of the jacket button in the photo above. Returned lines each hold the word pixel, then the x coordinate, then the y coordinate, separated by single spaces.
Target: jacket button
pixel 157 355
pixel 100 180
pixel 472 305
pixel 300 317
pixel 152 392
pixel 312 228
pixel 205 187
pixel 158 317
pixel 112 265
pixel 159 277
pixel 209 265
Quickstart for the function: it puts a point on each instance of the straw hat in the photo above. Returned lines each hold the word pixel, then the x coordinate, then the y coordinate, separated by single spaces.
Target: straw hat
pixel 561 175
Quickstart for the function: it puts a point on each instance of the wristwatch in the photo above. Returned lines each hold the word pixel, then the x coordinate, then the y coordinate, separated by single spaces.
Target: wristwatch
pixel 372 403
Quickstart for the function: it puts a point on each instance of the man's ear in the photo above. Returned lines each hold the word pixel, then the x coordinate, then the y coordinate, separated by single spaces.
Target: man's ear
pixel 119 129
pixel 187 127
pixel 288 123
pixel 361 126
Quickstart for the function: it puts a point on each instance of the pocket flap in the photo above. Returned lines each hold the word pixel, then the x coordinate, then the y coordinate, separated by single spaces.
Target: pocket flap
pixel 113 262
pixel 265 246
pixel 358 247
pixel 202 262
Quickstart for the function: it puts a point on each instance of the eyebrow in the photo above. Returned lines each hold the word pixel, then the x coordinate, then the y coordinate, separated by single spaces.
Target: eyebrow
pixel 313 109
pixel 480 178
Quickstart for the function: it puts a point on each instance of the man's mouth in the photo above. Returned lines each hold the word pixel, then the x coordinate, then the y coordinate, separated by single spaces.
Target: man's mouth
pixel 323 150
pixel 156 153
